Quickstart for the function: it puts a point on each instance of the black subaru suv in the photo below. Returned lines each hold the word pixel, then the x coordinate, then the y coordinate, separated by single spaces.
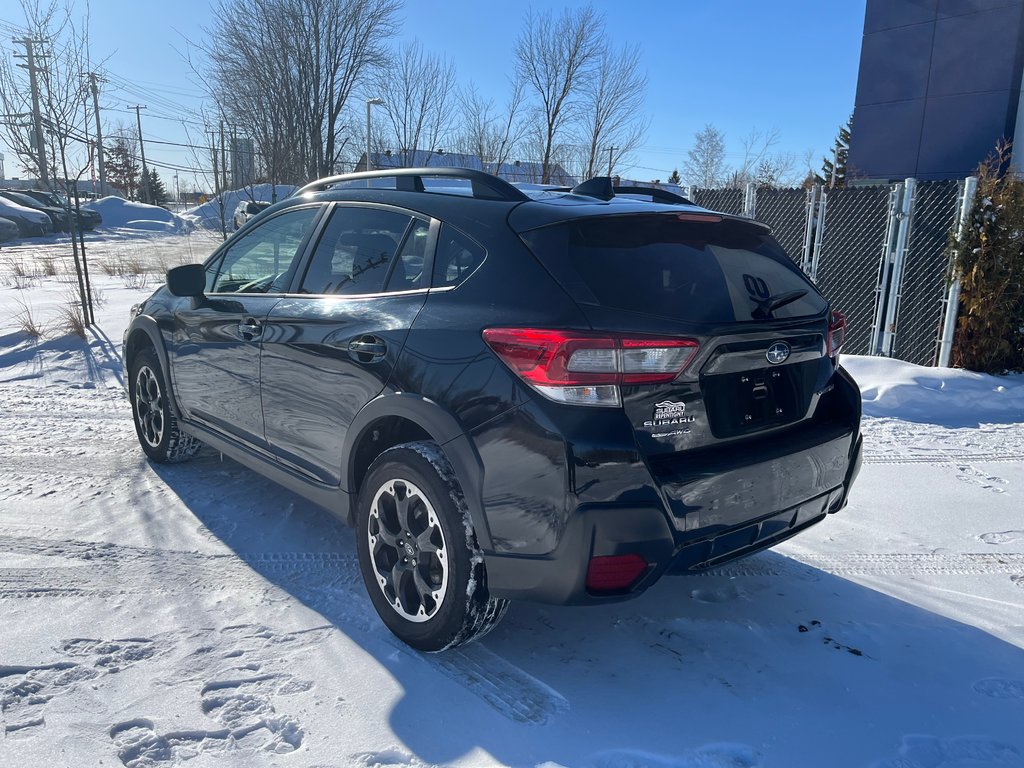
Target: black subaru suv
pixel 557 396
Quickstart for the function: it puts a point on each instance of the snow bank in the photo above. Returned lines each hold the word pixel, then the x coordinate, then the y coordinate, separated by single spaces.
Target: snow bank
pixel 947 396
pixel 119 213
pixel 207 215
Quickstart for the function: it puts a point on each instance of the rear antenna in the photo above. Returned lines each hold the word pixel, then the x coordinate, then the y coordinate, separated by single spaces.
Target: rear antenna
pixel 599 187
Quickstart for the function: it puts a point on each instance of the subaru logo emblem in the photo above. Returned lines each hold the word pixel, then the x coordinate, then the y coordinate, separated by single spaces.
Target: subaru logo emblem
pixel 777 353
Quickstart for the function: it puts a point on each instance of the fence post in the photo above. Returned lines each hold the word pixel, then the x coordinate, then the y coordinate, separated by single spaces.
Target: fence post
pixel 819 233
pixel 690 193
pixel 882 289
pixel 750 200
pixel 899 258
pixel 953 295
pixel 812 202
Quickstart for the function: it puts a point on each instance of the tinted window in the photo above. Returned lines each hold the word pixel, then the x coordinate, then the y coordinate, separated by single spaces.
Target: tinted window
pixel 701 272
pixel 408 273
pixel 259 260
pixel 25 200
pixel 355 252
pixel 457 257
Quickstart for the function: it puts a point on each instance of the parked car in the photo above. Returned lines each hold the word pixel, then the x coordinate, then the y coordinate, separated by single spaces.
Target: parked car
pixel 85 218
pixel 557 398
pixel 58 216
pixel 30 221
pixel 245 210
pixel 8 230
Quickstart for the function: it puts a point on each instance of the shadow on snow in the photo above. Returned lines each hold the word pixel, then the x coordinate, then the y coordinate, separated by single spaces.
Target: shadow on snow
pixel 783 661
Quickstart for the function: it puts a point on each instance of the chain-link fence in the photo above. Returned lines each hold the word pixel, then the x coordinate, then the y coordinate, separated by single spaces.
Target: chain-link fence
pixel 850 260
pixel 785 211
pixel 724 200
pixel 923 289
pixel 879 253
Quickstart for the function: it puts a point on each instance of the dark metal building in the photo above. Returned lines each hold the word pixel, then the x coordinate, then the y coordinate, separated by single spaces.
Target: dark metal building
pixel 939 85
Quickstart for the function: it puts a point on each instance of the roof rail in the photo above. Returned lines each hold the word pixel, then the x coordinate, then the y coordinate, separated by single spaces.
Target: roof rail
pixel 656 194
pixel 485 186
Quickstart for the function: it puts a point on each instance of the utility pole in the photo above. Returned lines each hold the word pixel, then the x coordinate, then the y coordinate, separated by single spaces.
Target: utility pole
pixel 236 168
pixel 213 151
pixel 610 150
pixel 223 159
pixel 142 152
pixel 37 120
pixel 99 133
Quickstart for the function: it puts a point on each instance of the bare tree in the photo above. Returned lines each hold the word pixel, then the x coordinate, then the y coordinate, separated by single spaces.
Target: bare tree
pixel 489 134
pixel 555 57
pixel 611 122
pixel 60 60
pixel 757 147
pixel 419 94
pixel 285 70
pixel 705 161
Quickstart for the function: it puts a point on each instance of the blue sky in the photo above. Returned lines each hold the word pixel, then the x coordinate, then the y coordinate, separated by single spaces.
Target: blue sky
pixel 786 65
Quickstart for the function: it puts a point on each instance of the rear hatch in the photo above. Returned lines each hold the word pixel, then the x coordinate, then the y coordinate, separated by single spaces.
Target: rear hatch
pixel 760 328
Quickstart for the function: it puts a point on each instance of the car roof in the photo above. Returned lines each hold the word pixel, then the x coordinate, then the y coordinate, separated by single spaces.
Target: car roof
pixel 539 208
pixel 469 198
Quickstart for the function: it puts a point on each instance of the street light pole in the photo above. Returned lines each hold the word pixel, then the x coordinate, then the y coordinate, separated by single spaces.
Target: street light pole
pixel 370 103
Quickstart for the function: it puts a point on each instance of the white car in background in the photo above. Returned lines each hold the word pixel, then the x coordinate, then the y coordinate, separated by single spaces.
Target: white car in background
pixel 245 210
pixel 31 222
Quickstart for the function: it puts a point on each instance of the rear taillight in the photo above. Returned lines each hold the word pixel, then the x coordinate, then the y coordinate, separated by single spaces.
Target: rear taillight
pixel 615 573
pixel 585 368
pixel 836 333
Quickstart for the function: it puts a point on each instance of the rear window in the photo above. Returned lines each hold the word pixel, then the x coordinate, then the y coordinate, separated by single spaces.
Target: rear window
pixel 705 272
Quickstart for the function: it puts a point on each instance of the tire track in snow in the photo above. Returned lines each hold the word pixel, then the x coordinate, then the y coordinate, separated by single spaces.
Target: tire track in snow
pixel 344 564
pixel 107 569
pixel 885 564
pixel 882 458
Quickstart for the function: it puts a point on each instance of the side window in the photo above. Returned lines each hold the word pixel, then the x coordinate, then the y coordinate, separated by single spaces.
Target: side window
pixel 260 259
pixel 408 272
pixel 355 252
pixel 457 256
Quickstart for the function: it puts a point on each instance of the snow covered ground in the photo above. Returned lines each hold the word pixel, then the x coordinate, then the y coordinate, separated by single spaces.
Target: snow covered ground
pixel 197 614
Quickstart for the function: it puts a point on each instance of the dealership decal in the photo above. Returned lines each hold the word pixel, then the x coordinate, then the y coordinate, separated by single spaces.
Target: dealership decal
pixel 668 414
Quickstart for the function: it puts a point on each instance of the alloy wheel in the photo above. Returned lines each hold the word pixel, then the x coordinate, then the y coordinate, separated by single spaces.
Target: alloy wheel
pixel 149 411
pixel 408 551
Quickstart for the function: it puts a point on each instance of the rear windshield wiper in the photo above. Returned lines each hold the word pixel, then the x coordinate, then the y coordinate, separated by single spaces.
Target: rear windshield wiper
pixel 765 307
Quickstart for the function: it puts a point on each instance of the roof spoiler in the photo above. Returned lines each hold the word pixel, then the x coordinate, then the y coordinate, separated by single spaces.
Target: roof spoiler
pixel 602 188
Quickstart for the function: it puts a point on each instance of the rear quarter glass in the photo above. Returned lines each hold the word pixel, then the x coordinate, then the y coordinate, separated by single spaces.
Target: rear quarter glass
pixel 702 272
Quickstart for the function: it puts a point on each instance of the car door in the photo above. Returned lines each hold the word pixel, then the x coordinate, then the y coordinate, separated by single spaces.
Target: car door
pixel 215 348
pixel 329 348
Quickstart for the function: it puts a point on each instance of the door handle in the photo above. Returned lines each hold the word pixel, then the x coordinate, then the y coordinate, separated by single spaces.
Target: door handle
pixel 367 347
pixel 250 328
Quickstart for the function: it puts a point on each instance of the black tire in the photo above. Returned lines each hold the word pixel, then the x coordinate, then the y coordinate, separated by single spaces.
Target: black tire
pixel 448 604
pixel 155 425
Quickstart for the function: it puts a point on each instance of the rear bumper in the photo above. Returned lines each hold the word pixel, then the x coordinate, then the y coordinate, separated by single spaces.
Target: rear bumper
pixel 820 478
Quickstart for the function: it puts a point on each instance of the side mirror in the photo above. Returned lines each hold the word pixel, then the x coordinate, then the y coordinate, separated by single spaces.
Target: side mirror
pixel 187 280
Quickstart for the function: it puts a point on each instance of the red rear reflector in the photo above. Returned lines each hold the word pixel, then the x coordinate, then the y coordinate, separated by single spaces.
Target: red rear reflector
pixel 705 218
pixel 836 333
pixel 618 572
